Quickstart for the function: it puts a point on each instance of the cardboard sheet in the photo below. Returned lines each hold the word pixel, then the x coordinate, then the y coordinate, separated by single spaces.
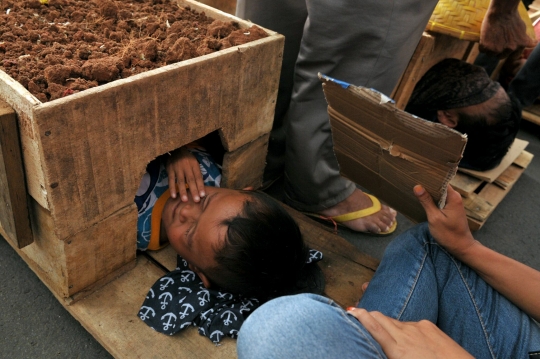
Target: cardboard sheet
pixel 388 151
pixel 513 152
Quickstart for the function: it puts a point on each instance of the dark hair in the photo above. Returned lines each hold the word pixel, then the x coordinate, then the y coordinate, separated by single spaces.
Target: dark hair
pixel 490 136
pixel 264 255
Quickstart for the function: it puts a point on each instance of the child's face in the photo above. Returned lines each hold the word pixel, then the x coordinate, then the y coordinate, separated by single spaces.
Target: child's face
pixel 195 229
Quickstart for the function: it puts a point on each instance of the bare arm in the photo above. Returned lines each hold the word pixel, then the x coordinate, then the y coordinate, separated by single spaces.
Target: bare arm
pixel 503 31
pixel 517 282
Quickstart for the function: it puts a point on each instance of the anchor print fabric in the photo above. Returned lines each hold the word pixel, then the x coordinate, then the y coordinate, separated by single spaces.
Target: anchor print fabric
pixel 179 300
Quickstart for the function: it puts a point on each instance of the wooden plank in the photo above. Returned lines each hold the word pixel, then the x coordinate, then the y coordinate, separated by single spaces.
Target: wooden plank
pixel 477 208
pixel 489 176
pixel 494 193
pixel 532 114
pixel 465 184
pixel 244 167
pixel 524 159
pixel 14 215
pixel 110 315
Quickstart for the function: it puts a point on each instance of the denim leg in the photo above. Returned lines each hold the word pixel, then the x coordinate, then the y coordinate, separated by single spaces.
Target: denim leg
pixel 417 279
pixel 304 326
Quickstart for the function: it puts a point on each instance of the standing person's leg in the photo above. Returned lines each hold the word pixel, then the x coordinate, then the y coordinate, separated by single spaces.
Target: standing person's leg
pixel 366 43
pixel 286 17
pixel 417 279
pixel 305 326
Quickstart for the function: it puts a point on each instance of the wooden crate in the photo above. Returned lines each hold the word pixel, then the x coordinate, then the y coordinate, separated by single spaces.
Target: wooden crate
pixel 480 197
pixel 84 155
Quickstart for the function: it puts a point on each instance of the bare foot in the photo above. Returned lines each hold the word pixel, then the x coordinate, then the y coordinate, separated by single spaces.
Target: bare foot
pixel 375 223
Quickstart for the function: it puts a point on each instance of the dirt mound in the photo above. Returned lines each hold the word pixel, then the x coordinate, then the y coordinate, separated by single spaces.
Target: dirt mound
pixel 66 46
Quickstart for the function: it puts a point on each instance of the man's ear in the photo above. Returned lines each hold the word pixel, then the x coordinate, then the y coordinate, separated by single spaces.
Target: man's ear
pixel 202 276
pixel 448 118
pixel 250 188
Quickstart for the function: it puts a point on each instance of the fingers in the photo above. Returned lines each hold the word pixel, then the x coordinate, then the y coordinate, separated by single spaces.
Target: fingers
pixel 376 324
pixel 425 199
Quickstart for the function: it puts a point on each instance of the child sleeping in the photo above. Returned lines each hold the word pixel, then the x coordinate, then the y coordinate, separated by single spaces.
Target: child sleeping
pixel 236 249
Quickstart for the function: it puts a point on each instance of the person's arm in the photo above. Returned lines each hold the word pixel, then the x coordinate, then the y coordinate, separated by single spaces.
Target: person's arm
pixel 503 31
pixel 517 282
pixel 183 170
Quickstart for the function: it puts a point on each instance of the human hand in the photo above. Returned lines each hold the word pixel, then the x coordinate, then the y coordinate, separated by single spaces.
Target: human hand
pixel 183 169
pixel 405 340
pixel 503 31
pixel 449 225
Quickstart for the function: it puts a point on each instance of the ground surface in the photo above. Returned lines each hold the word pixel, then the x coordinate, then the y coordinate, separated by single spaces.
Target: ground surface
pixel 34 325
pixel 66 46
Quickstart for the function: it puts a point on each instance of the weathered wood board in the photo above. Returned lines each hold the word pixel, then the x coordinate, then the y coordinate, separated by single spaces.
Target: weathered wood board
pixel 14 214
pixel 532 114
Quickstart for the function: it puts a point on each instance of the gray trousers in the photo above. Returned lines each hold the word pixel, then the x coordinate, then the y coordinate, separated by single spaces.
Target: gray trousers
pixel 363 42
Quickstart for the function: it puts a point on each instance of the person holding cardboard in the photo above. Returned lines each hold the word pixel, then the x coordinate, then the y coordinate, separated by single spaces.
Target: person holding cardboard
pixel 368 43
pixel 438 293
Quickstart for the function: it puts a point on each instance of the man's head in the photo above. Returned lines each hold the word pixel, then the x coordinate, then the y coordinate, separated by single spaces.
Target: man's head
pixel 241 241
pixel 462 96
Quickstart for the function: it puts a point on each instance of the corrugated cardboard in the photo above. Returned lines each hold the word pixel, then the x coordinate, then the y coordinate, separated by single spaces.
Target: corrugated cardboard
pixel 388 151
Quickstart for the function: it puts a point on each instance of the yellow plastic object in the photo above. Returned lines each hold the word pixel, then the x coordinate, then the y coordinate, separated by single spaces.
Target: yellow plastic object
pixel 463 18
pixel 44 2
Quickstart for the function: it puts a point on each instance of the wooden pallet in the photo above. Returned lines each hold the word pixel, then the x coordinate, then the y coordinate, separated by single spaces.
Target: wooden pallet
pixel 110 313
pixel 480 197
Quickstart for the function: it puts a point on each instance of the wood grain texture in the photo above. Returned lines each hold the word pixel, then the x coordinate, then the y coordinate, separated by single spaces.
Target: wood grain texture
pixel 244 167
pixel 14 215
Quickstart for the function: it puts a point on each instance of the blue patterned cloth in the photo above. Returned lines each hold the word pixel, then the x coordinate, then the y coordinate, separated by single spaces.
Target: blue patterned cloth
pixel 155 183
pixel 179 300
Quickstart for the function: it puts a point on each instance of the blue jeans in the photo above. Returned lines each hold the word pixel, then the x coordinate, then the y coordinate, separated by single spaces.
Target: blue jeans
pixel 417 279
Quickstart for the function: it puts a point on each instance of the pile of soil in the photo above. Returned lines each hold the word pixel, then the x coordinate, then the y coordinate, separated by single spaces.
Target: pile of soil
pixel 55 48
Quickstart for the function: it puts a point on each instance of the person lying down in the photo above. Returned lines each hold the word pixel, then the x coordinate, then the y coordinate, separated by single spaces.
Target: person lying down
pixel 236 249
pixel 462 96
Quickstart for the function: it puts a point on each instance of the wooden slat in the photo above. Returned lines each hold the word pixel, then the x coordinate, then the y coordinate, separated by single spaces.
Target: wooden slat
pixel 524 159
pixel 493 193
pixel 477 208
pixel 14 215
pixel 464 184
pixel 532 114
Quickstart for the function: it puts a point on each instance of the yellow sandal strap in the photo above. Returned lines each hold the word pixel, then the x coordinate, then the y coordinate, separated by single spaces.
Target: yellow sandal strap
pixel 376 207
